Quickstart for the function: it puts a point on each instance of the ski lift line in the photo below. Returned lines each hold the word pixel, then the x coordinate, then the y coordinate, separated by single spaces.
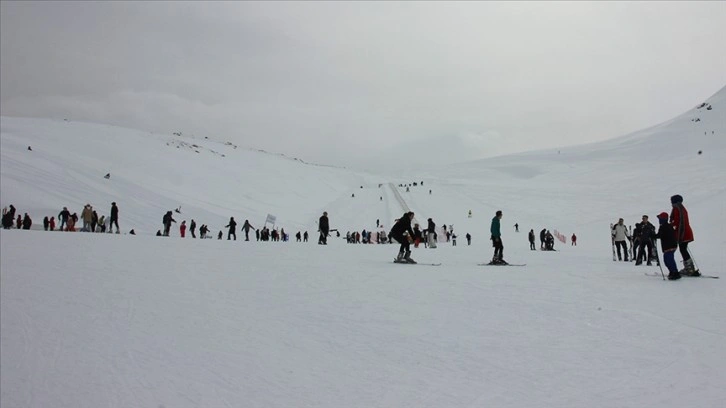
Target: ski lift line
pixel 400 199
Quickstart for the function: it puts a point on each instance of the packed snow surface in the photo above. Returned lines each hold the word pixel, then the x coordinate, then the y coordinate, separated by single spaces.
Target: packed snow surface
pixel 107 320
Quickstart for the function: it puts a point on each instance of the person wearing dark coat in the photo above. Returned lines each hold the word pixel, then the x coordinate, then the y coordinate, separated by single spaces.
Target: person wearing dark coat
pixel 27 222
pixel 167 220
pixel 668 244
pixel 403 233
pixel 8 217
pixel 431 233
pixel 495 229
pixel 46 223
pixel 114 219
pixel 324 228
pixel 542 238
pixel 531 240
pixel 232 229
pixel 192 227
pixel 63 217
pixel 647 233
pixel 468 239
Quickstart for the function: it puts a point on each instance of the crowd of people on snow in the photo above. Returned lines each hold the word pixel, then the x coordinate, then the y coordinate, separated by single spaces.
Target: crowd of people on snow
pixel 674 232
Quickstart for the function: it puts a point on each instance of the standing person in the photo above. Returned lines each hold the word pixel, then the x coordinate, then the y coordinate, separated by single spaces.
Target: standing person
pixel 114 219
pixel 167 219
pixel 431 233
pixel 684 234
pixel 46 223
pixel 574 239
pixel 495 229
pixel 324 228
pixel 87 217
pixel 246 227
pixel 531 240
pixel 403 233
pixel 516 227
pixel 63 217
pixel 94 221
pixel 668 244
pixel 19 222
pixel 416 235
pixel 232 232
pixel 192 227
pixel 305 237
pixel 620 234
pixel 542 238
pixel 647 233
pixel 183 228
pixel 468 239
pixel 51 223
pixel 27 222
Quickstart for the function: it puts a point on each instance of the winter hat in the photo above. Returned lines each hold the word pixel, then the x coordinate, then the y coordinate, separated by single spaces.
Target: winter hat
pixel 676 199
pixel 663 215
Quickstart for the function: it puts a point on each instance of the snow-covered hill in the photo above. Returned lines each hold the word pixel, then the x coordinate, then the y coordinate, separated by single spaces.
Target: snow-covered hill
pixel 92 320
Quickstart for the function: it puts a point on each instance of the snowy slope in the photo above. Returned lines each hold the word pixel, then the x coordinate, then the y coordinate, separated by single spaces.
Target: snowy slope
pixel 90 320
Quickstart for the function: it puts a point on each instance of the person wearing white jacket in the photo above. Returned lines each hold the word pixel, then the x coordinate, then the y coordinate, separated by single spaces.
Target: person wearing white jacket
pixel 620 234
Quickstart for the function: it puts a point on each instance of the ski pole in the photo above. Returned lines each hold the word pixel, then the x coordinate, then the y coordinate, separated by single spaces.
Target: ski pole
pixel 695 265
pixel 659 267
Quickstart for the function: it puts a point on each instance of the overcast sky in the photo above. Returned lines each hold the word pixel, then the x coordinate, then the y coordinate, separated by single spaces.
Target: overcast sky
pixel 360 84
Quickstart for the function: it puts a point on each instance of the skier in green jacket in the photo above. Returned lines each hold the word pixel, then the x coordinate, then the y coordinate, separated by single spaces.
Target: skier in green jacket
pixel 498 258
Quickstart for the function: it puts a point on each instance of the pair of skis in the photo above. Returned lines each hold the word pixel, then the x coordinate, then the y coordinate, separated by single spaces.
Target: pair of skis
pixel 439 264
pixel 685 276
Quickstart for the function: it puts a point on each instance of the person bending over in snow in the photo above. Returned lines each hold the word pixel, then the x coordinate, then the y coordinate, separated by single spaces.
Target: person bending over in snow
pixel 403 233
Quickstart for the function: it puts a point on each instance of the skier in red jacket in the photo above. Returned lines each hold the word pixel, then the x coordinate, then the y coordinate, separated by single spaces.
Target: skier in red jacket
pixel 183 228
pixel 684 234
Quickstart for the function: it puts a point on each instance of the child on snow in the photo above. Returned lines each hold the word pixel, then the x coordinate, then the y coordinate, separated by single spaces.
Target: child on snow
pixel 668 244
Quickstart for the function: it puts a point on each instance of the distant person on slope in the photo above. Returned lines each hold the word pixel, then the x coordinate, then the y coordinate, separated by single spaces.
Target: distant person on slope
pixel 647 233
pixel 531 240
pixel 183 228
pixel 166 221
pixel 63 218
pixel 324 228
pixel 246 227
pixel 192 227
pixel 684 234
pixel 232 232
pixel 431 233
pixel 403 233
pixel 495 229
pixel 620 234
pixel 114 219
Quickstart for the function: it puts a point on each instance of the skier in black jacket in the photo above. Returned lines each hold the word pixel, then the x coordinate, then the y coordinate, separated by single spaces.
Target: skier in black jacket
pixel 324 228
pixel 403 233
pixel 114 219
pixel 232 229
pixel 647 233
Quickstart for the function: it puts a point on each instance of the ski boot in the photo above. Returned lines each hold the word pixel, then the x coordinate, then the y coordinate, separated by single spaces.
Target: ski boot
pixel 407 257
pixel 399 258
pixel 690 269
pixel 674 275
